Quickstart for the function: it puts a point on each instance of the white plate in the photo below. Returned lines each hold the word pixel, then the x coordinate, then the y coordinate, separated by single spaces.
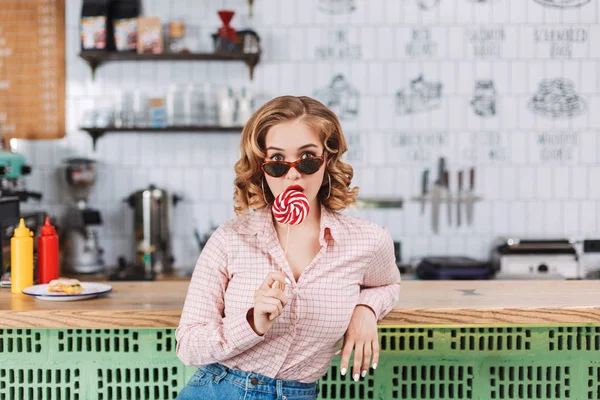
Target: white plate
pixel 563 3
pixel 91 289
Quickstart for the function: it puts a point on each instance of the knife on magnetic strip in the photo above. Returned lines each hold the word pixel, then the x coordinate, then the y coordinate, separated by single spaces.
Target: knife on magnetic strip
pixel 448 196
pixel 471 196
pixel 459 199
pixel 424 189
pixel 436 195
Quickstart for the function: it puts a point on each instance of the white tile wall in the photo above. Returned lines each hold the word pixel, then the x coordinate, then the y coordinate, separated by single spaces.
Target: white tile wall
pixel 524 194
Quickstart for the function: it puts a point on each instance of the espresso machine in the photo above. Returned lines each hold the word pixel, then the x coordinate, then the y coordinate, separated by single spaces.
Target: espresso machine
pixel 152 253
pixel 13 169
pixel 79 239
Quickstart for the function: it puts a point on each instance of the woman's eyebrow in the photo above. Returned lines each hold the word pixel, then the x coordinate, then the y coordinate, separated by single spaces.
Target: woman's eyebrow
pixel 306 146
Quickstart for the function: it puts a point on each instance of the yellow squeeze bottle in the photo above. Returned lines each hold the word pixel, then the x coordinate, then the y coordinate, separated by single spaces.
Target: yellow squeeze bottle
pixel 21 258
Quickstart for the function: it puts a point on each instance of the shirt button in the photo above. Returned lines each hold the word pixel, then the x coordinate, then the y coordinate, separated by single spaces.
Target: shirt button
pixel 254 381
pixel 295 291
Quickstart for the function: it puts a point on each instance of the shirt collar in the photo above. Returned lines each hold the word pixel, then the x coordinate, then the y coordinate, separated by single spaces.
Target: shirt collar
pixel 260 222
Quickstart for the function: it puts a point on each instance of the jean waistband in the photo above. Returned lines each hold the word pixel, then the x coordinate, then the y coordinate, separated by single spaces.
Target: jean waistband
pixel 261 383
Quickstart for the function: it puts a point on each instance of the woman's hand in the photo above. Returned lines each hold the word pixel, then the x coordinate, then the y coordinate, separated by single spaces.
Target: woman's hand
pixel 269 301
pixel 361 336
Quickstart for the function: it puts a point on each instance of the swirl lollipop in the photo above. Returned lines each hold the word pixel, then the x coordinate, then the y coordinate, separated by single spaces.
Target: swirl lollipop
pixel 291 206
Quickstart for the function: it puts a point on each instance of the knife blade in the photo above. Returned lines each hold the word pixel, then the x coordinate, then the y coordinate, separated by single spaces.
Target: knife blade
pixel 424 189
pixel 470 196
pixel 459 199
pixel 436 195
pixel 448 197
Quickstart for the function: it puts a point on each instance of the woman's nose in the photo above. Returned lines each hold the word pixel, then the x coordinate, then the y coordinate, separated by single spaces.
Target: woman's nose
pixel 293 174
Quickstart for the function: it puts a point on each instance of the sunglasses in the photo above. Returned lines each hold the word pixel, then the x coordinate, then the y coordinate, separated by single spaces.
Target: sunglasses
pixel 308 165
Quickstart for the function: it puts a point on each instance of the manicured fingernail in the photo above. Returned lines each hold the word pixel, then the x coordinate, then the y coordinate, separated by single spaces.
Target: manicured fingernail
pixel 337 353
pixel 355 377
pixel 343 371
pixel 288 281
pixel 374 365
pixel 363 373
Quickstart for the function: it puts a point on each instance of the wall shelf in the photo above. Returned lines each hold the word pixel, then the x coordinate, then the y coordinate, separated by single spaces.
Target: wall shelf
pixel 97 133
pixel 97 58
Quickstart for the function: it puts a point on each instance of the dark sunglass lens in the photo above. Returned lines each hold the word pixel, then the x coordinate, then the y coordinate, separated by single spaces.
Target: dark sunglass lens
pixel 276 169
pixel 309 165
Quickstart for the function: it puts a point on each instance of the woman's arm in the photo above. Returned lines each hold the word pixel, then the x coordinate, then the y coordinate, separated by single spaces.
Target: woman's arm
pixel 378 295
pixel 381 285
pixel 205 335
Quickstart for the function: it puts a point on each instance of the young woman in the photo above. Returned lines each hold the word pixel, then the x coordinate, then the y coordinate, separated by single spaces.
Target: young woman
pixel 252 338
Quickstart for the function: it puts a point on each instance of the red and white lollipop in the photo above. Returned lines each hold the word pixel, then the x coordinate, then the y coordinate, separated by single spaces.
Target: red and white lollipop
pixel 291 206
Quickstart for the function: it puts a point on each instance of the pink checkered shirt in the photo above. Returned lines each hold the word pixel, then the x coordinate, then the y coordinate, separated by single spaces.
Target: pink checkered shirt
pixel 356 265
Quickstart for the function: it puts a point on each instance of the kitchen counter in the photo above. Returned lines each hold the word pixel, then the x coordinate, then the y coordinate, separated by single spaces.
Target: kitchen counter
pixel 422 303
pixel 444 339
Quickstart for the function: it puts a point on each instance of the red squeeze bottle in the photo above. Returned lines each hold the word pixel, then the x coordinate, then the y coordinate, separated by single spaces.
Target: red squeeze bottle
pixel 47 253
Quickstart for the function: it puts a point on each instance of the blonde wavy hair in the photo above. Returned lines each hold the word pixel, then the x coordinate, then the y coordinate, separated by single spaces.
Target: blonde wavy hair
pixel 249 175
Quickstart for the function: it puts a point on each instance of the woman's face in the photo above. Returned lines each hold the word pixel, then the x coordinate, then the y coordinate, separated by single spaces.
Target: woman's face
pixel 290 141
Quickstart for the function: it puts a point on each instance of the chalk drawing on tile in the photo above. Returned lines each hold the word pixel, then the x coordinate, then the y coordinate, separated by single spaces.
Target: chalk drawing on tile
pixel 338 47
pixel 561 147
pixel 341 97
pixel 562 3
pixel 485 147
pixel 561 39
pixel 337 7
pixel 484 98
pixel 421 44
pixel 356 148
pixel 486 42
pixel 427 4
pixel 420 96
pixel 417 148
pixel 556 98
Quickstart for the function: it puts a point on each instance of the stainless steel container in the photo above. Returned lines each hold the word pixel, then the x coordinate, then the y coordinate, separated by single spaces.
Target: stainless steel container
pixel 152 238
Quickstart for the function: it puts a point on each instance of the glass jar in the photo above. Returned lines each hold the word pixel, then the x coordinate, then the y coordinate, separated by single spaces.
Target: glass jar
pixel 177 36
pixel 175 105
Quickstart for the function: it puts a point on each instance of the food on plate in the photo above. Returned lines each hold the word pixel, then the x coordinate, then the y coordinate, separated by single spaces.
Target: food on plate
pixel 65 285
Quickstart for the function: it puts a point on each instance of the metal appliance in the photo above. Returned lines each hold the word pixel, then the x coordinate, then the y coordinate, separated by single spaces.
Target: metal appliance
pixel 453 267
pixel 9 216
pixel 152 234
pixel 590 258
pixel 536 257
pixel 13 169
pixel 79 238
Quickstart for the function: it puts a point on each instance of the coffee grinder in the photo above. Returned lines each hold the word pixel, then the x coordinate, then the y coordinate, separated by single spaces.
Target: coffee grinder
pixel 79 241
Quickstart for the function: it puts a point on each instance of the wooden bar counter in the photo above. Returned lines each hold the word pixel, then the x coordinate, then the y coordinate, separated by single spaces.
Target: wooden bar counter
pixel 443 340
pixel 422 303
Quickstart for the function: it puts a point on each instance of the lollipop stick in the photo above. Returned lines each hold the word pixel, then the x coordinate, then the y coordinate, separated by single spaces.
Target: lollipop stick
pixel 287 239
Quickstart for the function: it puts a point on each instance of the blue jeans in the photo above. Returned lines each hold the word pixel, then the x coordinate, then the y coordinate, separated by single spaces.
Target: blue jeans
pixel 217 382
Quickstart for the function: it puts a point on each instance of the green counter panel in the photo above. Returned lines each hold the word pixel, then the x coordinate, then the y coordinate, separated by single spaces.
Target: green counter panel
pixel 415 363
